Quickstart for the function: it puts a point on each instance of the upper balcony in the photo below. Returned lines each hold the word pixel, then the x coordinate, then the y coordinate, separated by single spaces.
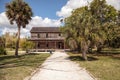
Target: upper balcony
pixel 46 35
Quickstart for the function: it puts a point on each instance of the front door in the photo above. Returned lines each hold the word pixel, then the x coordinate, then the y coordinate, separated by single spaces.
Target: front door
pixel 60 45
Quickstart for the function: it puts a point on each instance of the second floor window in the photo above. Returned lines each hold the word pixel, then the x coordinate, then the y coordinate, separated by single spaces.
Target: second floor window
pixel 46 35
pixel 38 35
pixel 34 35
pixel 59 34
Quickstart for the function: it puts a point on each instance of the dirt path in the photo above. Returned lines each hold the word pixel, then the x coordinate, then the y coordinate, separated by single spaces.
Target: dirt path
pixel 59 67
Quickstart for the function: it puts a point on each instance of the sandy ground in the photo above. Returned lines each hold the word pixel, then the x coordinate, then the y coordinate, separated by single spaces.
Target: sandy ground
pixel 59 67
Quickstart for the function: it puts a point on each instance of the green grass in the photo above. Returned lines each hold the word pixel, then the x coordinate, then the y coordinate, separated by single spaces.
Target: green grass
pixel 100 66
pixel 111 50
pixel 12 68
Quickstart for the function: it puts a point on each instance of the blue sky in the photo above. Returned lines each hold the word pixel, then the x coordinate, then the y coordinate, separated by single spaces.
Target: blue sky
pixel 47 13
pixel 43 8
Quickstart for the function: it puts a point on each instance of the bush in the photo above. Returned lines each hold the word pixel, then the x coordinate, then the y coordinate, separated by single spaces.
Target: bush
pixel 3 51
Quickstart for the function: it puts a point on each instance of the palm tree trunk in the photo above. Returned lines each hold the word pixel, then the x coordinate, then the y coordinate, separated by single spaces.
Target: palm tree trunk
pixel 17 42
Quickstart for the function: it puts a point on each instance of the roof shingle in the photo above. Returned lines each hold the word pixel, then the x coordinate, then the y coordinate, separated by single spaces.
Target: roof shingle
pixel 45 29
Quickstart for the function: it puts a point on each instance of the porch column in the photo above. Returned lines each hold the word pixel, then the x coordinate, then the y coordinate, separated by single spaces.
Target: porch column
pixel 64 44
pixel 55 44
pixel 36 44
pixel 46 44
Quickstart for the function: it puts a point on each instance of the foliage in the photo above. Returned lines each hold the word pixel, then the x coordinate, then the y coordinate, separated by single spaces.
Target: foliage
pixel 2 46
pixel 3 51
pixel 18 11
pixel 91 26
pixel 81 27
pixel 2 42
pixel 25 44
pixel 9 40
pixel 107 15
pixel 103 12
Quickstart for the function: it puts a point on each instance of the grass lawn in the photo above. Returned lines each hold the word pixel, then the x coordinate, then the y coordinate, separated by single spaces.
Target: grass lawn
pixel 12 68
pixel 102 67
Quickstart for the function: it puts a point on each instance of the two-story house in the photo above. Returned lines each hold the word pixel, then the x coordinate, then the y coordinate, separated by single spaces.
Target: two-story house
pixel 47 38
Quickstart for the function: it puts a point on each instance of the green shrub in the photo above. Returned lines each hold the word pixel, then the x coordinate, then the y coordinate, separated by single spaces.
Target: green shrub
pixel 3 51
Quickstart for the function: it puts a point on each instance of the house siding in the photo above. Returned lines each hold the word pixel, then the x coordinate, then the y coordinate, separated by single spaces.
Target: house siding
pixel 47 38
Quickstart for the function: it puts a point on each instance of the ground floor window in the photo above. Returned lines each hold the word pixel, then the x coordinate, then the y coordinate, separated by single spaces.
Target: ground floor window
pixel 47 45
pixel 38 45
pixel 50 45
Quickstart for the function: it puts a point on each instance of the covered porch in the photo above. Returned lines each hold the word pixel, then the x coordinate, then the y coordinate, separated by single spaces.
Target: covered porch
pixel 50 44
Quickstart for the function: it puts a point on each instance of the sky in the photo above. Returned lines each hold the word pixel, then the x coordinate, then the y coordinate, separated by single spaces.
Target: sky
pixel 47 13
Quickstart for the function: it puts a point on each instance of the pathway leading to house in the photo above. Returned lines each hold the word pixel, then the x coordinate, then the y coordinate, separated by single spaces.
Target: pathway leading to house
pixel 59 67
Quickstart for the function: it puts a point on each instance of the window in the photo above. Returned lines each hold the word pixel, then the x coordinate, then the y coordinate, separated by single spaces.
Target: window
pixel 46 35
pixel 38 45
pixel 42 35
pixel 59 34
pixel 33 35
pixel 47 45
pixel 38 35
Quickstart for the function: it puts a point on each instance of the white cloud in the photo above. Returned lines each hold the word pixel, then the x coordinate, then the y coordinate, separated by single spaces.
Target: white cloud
pixel 39 21
pixel 115 3
pixel 4 22
pixel 73 4
pixel 36 21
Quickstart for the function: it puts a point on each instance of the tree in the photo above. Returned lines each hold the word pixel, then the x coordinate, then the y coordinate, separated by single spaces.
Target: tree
pixel 107 17
pixel 115 41
pixel 2 46
pixel 18 11
pixel 70 40
pixel 25 44
pixel 9 40
pixel 91 25
pixel 81 28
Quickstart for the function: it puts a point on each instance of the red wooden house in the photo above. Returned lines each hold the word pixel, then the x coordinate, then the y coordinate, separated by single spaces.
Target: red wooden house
pixel 47 38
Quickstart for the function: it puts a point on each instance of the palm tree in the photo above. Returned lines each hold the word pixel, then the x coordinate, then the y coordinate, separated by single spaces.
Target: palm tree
pixel 18 11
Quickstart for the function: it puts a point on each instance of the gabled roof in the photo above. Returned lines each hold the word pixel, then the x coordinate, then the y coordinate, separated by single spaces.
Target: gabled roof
pixel 45 29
